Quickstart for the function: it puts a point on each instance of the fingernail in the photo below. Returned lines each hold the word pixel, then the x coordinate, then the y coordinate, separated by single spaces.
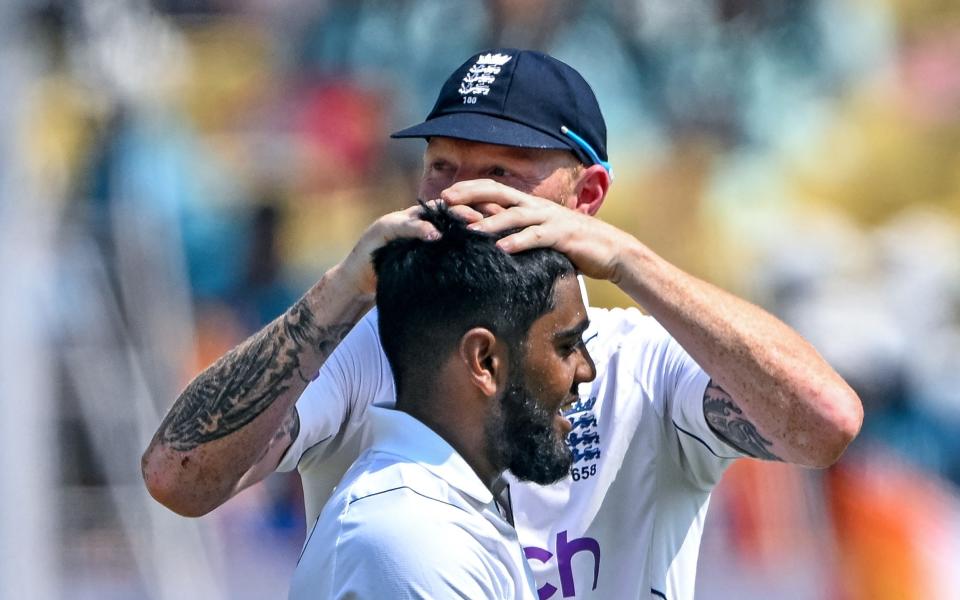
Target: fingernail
pixel 433 236
pixel 473 226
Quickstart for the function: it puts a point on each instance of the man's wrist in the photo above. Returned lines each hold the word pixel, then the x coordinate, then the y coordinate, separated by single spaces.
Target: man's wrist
pixel 629 253
pixel 340 289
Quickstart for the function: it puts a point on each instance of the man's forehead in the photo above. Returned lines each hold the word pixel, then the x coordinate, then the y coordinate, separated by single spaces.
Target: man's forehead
pixel 568 310
pixel 567 292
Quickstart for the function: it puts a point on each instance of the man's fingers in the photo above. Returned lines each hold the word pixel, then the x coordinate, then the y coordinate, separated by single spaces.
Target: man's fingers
pixel 482 191
pixel 475 212
pixel 417 209
pixel 426 231
pixel 416 227
pixel 407 223
pixel 490 208
pixel 525 239
pixel 467 213
pixel 508 219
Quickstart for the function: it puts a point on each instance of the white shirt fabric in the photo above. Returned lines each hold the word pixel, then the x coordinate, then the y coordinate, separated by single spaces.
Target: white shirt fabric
pixel 627 523
pixel 411 520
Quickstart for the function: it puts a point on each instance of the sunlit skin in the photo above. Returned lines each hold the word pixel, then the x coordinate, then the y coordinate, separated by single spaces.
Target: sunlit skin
pixel 557 360
pixel 549 174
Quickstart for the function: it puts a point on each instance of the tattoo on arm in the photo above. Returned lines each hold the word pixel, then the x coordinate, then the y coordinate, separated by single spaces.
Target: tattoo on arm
pixel 286 434
pixel 289 429
pixel 245 382
pixel 726 420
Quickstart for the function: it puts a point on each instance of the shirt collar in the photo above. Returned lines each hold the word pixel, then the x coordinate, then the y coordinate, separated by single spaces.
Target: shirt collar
pixel 396 432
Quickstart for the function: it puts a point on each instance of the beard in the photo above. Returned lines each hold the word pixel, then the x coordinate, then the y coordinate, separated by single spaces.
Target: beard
pixel 521 437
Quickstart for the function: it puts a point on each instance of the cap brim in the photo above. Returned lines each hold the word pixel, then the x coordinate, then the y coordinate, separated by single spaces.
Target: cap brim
pixel 479 127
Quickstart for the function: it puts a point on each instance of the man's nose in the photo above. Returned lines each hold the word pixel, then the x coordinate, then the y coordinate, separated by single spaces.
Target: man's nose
pixel 587 369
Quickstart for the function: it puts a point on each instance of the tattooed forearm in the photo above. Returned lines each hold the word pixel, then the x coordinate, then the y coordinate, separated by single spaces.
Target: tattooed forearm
pixel 726 420
pixel 246 381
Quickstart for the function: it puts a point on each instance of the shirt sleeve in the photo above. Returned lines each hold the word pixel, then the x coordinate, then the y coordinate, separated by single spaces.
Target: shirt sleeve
pixel 348 382
pixel 676 385
pixel 702 454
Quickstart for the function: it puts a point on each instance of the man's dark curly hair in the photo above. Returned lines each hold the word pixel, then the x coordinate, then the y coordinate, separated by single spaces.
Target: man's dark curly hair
pixel 429 293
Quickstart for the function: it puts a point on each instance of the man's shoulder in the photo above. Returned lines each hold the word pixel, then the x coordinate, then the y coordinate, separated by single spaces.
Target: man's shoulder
pixel 400 506
pixel 616 328
pixel 620 318
pixel 371 319
pixel 389 485
pixel 365 333
pixel 388 529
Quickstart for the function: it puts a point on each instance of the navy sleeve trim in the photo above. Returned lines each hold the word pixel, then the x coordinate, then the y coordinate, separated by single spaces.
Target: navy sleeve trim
pixel 658 593
pixel 706 445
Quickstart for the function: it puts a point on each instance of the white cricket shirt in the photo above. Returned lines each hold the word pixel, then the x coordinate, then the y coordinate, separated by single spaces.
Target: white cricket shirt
pixel 627 522
pixel 411 520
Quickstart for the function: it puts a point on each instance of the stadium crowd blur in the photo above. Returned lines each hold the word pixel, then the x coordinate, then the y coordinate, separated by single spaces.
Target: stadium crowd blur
pixel 203 161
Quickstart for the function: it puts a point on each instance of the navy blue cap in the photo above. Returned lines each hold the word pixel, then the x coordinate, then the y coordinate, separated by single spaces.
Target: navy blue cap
pixel 519 98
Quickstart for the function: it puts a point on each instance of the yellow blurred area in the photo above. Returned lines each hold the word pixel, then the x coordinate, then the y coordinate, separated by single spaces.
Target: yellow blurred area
pixel 879 159
pixel 917 17
pixel 662 205
pixel 59 131
pixel 230 73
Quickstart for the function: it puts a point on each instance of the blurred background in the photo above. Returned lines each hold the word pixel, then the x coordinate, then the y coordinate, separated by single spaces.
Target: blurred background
pixel 175 173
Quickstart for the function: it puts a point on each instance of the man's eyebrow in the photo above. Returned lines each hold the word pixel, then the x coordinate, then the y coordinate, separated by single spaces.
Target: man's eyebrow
pixel 575 331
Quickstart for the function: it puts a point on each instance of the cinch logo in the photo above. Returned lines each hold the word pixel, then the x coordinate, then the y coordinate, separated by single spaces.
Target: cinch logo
pixel 565 552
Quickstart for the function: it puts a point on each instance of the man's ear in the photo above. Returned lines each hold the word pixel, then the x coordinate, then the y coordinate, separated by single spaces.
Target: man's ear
pixel 485 359
pixel 591 189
